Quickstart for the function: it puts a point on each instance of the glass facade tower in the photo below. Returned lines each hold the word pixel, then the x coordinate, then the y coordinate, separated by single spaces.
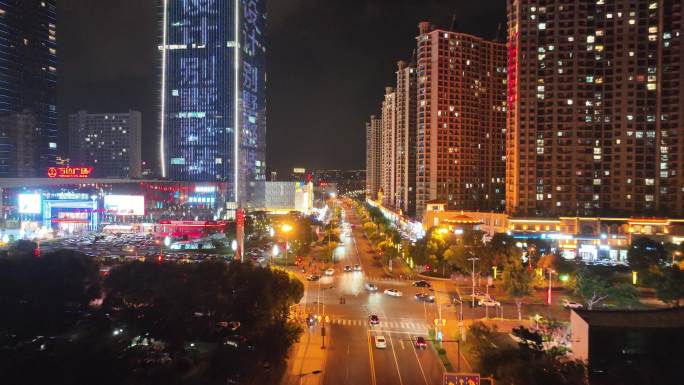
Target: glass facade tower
pixel 28 87
pixel 213 93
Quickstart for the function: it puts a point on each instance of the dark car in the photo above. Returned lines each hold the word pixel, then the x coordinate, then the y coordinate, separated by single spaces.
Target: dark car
pixel 373 319
pixel 425 297
pixel 421 283
pixel 347 268
pixel 421 343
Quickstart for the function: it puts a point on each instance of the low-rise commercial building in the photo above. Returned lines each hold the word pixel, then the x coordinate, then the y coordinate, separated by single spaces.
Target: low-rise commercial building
pixel 620 344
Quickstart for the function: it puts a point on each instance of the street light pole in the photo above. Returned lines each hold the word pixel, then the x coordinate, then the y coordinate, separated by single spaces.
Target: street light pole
pixel 473 278
pixel 548 297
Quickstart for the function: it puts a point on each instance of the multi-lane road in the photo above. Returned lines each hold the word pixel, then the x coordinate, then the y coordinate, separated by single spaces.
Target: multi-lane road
pixel 350 355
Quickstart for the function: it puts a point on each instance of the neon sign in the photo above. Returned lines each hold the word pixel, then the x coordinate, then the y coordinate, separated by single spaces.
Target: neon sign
pixel 69 172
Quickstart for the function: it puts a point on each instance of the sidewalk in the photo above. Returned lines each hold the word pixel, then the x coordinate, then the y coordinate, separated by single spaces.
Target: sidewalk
pixel 305 357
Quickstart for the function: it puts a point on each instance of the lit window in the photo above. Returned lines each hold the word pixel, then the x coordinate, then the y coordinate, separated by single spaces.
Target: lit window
pixel 542 26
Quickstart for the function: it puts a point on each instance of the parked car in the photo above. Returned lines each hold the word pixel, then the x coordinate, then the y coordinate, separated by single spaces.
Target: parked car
pixel 393 292
pixel 421 283
pixel 571 304
pixel 312 277
pixel 370 287
pixel 373 319
pixel 330 272
pixel 488 302
pixel 421 343
pixel 380 342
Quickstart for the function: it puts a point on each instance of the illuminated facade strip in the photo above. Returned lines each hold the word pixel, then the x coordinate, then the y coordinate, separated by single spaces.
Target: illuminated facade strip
pixel 163 93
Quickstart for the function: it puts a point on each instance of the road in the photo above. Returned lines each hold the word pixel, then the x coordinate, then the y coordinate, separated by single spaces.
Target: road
pixel 351 356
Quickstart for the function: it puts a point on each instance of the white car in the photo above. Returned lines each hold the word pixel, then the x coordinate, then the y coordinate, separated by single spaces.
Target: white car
pixel 488 302
pixel 370 287
pixel 380 342
pixel 330 272
pixel 393 292
pixel 571 304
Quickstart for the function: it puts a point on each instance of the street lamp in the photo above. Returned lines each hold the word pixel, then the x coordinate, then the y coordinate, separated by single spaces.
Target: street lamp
pixel 286 228
pixel 473 277
pixel 548 297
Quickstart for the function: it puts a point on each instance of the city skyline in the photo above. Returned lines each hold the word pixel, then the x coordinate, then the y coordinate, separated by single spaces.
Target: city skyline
pixel 123 63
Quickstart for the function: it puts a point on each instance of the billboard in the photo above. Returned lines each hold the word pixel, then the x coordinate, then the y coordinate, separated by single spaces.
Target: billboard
pixel 124 204
pixel 69 172
pixel 29 203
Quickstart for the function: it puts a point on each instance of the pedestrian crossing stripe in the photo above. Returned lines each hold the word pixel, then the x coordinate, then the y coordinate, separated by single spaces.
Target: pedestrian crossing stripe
pixel 382 325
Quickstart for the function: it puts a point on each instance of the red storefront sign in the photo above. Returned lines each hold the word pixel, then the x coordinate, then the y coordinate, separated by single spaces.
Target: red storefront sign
pixel 69 172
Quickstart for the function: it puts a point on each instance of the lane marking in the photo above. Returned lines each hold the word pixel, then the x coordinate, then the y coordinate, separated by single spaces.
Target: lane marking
pixel 421 365
pixel 370 357
pixel 396 362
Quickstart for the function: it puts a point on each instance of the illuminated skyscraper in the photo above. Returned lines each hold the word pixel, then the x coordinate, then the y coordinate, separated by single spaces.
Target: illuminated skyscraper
pixel 373 156
pixel 28 81
pixel 389 147
pixel 213 108
pixel 595 107
pixel 405 138
pixel 461 117
pixel 110 142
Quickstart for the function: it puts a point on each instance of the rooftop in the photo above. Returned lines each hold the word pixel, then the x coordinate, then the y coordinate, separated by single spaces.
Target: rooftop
pixel 660 318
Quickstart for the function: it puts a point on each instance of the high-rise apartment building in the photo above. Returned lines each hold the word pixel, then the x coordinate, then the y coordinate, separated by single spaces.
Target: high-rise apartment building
pixel 213 93
pixel 28 79
pixel 461 120
pixel 388 118
pixel 595 111
pixel 109 142
pixel 373 156
pixel 405 139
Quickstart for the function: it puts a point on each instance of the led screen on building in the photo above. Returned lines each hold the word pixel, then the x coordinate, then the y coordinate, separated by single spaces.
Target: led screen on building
pixel 124 204
pixel 29 203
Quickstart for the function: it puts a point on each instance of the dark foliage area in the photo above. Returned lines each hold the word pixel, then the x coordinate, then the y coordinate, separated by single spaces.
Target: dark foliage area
pixel 145 323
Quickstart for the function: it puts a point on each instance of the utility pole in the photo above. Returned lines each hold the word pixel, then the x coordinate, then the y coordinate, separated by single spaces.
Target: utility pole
pixel 473 277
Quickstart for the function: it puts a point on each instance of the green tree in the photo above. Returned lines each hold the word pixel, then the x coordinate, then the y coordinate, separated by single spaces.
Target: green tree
pixel 517 283
pixel 530 362
pixel 645 253
pixel 668 282
pixel 593 289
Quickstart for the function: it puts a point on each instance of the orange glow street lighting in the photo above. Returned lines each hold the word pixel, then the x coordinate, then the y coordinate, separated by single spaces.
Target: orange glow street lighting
pixel 286 229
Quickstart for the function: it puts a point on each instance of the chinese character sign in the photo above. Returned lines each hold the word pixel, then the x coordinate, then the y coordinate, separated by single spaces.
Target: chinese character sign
pixel 69 172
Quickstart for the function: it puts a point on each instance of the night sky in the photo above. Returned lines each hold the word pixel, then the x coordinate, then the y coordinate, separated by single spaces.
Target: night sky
pixel 328 64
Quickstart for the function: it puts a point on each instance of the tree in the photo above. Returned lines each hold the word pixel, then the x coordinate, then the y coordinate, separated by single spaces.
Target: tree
pixel 504 250
pixel 517 282
pixel 37 292
pixel 668 282
pixel 593 289
pixel 645 253
pixel 530 362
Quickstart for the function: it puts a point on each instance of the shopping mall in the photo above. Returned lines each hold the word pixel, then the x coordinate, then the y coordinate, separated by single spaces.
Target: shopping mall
pixel 587 238
pixel 56 206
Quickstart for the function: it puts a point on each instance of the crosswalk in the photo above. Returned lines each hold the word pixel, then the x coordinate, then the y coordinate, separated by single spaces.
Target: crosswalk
pixel 404 325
